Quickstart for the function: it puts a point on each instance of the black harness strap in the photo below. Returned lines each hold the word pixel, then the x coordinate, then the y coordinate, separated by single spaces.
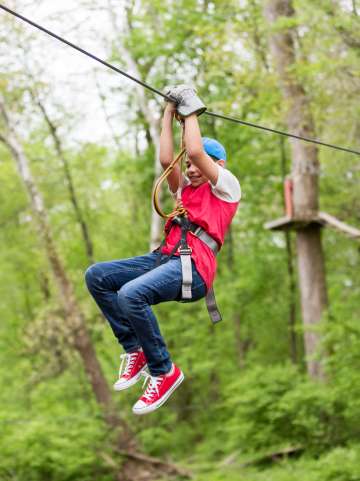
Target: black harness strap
pixel 212 307
pixel 185 256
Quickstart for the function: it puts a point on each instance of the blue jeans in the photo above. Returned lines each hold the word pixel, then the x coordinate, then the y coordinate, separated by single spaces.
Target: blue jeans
pixel 125 289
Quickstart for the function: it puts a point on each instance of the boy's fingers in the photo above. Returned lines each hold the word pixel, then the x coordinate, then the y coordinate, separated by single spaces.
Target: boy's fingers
pixel 178 116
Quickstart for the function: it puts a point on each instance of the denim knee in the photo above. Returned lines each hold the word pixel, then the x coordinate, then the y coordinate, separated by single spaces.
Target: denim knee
pixel 127 294
pixel 93 276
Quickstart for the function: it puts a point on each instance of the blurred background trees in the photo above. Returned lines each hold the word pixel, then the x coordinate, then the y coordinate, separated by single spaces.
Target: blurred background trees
pixel 248 409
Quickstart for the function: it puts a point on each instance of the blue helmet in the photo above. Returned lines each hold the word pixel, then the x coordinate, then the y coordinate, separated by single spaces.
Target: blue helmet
pixel 213 148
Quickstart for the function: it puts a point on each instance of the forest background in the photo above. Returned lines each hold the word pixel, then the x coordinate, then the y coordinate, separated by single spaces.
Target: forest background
pixel 78 158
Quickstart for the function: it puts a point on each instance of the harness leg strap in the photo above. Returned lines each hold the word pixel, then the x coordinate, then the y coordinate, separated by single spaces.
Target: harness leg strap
pixel 185 257
pixel 212 307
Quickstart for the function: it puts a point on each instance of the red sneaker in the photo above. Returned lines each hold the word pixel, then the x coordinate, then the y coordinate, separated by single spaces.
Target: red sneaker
pixel 134 367
pixel 158 390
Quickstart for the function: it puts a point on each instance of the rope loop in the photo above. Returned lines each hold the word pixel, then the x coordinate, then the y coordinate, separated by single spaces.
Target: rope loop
pixel 179 209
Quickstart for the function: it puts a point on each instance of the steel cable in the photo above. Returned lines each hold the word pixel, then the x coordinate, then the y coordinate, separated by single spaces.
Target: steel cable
pixel 158 92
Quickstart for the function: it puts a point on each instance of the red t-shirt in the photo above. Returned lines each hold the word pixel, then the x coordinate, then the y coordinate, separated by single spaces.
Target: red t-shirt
pixel 212 207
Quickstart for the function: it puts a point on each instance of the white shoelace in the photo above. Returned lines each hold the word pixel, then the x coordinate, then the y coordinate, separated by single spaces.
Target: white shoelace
pixel 130 359
pixel 153 386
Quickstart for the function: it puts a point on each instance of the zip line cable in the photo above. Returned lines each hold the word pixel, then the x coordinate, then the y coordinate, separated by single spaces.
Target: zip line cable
pixel 158 92
pixel 280 132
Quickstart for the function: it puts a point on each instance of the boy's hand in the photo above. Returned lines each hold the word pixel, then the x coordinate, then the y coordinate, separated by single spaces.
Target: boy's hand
pixel 170 108
pixel 188 102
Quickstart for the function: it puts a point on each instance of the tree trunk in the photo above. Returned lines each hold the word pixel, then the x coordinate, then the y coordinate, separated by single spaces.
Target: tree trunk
pixel 313 292
pixel 305 168
pixel 354 7
pixel 260 48
pixel 151 120
pixel 114 135
pixel 291 273
pixel 73 315
pixel 69 181
pixel 242 344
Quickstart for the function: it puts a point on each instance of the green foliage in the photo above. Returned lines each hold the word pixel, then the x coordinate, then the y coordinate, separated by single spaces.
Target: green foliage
pixel 271 408
pixel 242 400
pixel 58 449
pixel 340 464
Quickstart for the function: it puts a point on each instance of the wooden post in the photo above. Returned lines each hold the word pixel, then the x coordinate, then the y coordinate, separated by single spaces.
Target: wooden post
pixel 292 295
pixel 305 184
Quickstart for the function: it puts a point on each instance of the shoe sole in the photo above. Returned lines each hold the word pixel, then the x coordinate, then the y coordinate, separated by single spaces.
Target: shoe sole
pixel 162 400
pixel 131 382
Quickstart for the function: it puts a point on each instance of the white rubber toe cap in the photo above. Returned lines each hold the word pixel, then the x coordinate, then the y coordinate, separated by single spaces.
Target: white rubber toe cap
pixel 139 407
pixel 125 383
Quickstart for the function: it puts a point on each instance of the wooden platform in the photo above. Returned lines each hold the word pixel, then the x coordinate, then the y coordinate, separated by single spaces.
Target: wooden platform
pixel 292 223
pixel 322 219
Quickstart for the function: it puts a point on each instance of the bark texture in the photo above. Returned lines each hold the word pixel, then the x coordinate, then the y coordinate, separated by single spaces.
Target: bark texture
pixel 305 168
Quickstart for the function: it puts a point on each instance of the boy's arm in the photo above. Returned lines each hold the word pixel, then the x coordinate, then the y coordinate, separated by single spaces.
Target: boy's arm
pixel 195 151
pixel 167 147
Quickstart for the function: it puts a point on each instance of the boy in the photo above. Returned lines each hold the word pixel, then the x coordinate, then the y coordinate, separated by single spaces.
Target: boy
pixel 125 289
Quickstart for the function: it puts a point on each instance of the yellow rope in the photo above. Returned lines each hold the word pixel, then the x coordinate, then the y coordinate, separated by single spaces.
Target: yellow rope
pixel 179 209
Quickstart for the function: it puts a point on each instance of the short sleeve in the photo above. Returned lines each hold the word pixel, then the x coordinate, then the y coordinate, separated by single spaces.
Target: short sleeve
pixel 227 187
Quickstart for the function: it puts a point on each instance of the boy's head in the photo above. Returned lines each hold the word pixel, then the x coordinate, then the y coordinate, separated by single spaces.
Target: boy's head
pixel 214 150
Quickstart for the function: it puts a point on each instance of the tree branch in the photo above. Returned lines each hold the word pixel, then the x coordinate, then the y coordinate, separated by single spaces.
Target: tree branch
pixel 156 462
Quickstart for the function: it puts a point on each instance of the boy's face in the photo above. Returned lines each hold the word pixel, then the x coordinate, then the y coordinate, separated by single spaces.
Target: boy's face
pixel 194 174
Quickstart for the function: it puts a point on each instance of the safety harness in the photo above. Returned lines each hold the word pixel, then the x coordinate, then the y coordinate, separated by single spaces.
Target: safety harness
pixel 185 256
pixel 179 216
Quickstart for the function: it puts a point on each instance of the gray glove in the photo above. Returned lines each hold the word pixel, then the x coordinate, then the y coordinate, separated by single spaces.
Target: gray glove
pixel 187 102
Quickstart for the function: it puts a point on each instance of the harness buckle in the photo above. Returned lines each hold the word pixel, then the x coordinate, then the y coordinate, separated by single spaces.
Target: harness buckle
pixel 177 220
pixel 185 251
